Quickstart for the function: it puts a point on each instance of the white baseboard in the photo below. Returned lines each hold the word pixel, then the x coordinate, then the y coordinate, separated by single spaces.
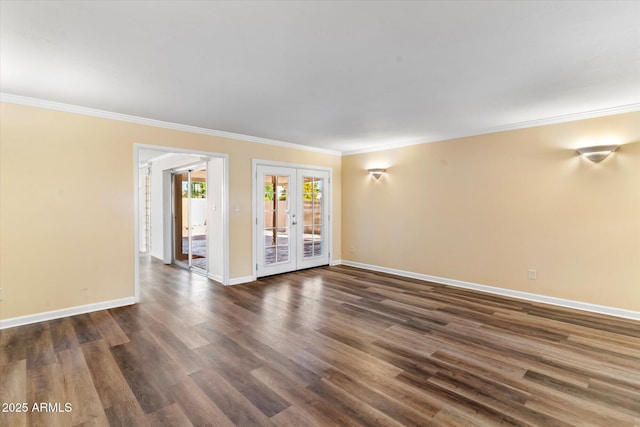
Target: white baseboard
pixel 156 257
pixel 65 312
pixel 335 262
pixel 240 280
pixel 578 305
pixel 216 277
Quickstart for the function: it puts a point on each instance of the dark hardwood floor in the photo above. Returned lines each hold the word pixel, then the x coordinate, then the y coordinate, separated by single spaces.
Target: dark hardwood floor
pixel 327 346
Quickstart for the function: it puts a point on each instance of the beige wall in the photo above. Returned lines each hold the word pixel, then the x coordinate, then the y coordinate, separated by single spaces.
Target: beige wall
pixel 481 209
pixel 485 209
pixel 57 254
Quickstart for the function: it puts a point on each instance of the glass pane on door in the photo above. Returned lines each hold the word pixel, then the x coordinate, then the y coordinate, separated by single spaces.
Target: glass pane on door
pixel 198 219
pixel 276 219
pixel 181 213
pixel 190 219
pixel 312 216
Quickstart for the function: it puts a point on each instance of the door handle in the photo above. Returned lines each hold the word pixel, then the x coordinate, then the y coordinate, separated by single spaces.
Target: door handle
pixel 294 222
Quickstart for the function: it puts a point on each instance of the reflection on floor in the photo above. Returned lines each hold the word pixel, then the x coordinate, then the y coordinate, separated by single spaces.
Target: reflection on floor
pixel 199 250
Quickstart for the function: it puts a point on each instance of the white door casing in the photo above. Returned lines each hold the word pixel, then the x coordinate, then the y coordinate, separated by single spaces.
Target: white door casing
pixel 292 218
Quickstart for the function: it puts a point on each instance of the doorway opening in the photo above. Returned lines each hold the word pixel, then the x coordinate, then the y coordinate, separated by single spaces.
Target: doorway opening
pixel 292 211
pixel 190 218
pixel 181 206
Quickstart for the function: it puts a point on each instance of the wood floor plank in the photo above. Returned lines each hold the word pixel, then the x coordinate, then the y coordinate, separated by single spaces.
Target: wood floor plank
pixel 127 413
pixel 482 358
pixel 233 403
pixel 164 371
pixel 141 377
pixel 197 406
pixel 86 330
pixel 578 412
pixel 163 316
pixel 108 379
pixel 625 346
pixel 217 323
pixel 590 320
pixel 239 376
pixel 129 318
pixel 80 389
pixel 454 417
pixel 169 416
pixel 63 335
pixel 278 360
pixel 365 329
pixel 459 401
pixel 348 404
pixel 311 362
pixel 593 368
pixel 343 356
pixel 45 385
pixel 13 346
pixel 388 405
pixel 409 338
pixel 625 403
pixel 316 410
pixel 109 328
pixel 13 390
pixel 40 350
pixel 290 417
pixel 329 346
pixel 176 349
pixel 223 348
pixel 493 396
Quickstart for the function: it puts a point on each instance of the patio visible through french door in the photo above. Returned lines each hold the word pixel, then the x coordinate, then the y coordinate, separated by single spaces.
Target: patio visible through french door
pixel 190 218
pixel 292 219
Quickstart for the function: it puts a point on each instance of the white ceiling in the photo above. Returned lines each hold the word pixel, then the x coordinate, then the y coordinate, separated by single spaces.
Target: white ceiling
pixel 344 75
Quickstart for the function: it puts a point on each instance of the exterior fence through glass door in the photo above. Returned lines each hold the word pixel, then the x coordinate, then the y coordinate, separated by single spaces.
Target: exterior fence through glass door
pixel 312 211
pixel 276 219
pixel 190 219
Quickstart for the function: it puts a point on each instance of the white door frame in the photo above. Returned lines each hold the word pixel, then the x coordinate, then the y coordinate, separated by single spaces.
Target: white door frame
pixel 192 167
pixel 254 206
pixel 292 239
pixel 136 206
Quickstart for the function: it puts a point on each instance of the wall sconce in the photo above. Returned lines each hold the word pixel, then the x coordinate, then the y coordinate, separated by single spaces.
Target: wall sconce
pixel 598 153
pixel 376 173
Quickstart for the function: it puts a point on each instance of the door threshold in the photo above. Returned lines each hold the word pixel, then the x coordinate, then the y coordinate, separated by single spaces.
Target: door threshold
pixel 199 271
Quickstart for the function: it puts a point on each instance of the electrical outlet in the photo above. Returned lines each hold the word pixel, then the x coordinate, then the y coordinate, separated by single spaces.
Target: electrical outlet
pixel 533 274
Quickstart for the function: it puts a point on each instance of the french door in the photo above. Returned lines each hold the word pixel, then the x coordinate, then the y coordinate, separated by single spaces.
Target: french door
pixel 190 218
pixel 292 221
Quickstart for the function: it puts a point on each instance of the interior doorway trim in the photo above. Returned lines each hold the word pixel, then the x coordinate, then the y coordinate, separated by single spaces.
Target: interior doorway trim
pixel 254 206
pixel 136 206
pixel 177 216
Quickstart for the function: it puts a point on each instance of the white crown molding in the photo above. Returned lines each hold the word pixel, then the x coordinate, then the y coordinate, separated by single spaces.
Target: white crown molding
pixel 58 106
pixel 52 105
pixel 630 108
pixel 577 305
pixel 65 312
